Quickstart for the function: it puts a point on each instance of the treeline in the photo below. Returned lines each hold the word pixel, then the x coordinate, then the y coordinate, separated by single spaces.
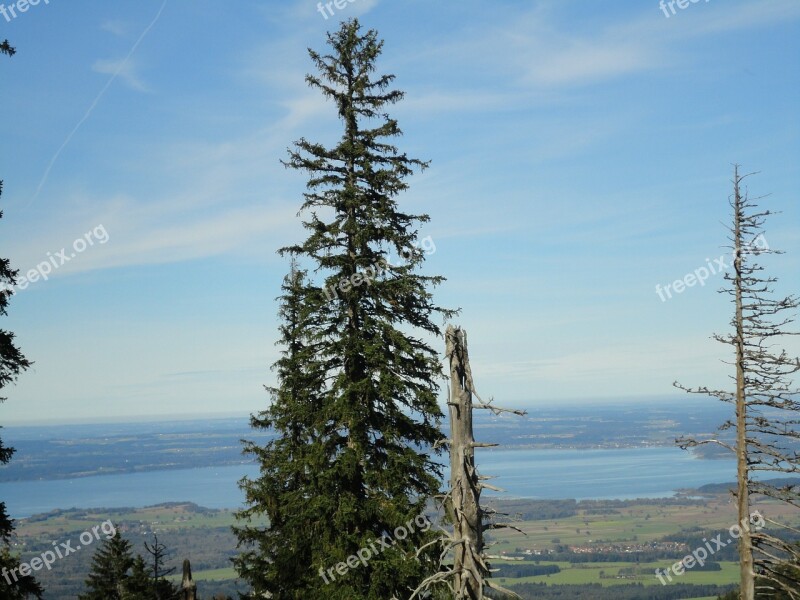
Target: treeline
pixel 74 514
pixel 633 591
pixel 695 538
pixel 614 557
pixel 544 510
pixel 639 570
pixel 523 570
pixel 698 538
pixel 207 547
pixel 603 505
pixel 724 488
pixel 536 510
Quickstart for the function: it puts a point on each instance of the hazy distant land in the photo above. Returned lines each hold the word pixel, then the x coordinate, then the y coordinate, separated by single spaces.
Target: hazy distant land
pixel 70 451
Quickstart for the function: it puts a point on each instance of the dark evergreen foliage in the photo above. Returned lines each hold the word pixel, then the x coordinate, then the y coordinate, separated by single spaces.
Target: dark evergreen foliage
pixel 117 574
pixel 287 491
pixel 356 402
pixel 138 584
pixel 111 571
pixel 633 591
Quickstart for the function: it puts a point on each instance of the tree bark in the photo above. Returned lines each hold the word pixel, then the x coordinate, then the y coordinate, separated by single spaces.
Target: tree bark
pixel 747 573
pixel 468 567
pixel 188 587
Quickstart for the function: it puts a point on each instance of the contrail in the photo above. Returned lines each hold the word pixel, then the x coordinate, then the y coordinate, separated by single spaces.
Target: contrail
pixel 94 104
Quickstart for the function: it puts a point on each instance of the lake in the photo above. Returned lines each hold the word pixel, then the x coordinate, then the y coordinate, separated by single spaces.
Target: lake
pixel 525 473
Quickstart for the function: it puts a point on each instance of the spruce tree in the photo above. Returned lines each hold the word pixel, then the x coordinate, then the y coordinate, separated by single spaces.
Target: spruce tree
pixel 356 404
pixel 119 575
pixel 138 585
pixel 286 492
pixel 12 362
pixel 110 574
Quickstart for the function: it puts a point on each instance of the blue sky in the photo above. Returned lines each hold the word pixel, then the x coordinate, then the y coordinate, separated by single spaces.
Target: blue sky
pixel 581 155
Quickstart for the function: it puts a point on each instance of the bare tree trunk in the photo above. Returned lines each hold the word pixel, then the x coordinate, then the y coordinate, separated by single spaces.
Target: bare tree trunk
pixel 188 587
pixel 470 573
pixel 469 569
pixel 766 405
pixel 747 574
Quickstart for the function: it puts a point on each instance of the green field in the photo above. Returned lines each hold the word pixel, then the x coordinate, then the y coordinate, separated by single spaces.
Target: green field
pixel 204 536
pixel 633 524
pixel 607 574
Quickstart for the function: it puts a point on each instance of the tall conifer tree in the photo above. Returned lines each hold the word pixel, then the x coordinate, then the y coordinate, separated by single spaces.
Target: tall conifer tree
pixel 356 405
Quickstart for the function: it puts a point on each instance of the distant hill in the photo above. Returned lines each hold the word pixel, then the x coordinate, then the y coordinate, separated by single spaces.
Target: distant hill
pixel 721 488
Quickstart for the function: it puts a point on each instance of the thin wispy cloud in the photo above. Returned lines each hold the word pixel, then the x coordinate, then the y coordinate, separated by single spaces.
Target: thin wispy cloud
pixel 124 70
pixel 585 62
pixel 95 102
pixel 744 16
pixel 545 50
pixel 579 151
pixel 117 28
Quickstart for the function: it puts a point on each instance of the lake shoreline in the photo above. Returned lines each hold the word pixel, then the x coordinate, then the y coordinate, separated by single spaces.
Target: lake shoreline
pixel 602 474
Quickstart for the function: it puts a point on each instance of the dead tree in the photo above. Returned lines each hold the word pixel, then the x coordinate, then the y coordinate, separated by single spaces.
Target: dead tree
pixel 469 575
pixel 469 568
pixel 764 434
pixel 188 586
pixel 163 588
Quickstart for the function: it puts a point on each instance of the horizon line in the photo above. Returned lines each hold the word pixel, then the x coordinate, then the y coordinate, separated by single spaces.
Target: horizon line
pixel 597 401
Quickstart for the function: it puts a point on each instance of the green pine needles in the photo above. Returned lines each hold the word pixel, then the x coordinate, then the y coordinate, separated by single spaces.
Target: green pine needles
pixel 355 408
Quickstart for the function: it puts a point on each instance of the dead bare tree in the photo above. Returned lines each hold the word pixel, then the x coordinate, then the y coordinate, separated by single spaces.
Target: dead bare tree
pixel 765 428
pixel 162 587
pixel 188 586
pixel 469 575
